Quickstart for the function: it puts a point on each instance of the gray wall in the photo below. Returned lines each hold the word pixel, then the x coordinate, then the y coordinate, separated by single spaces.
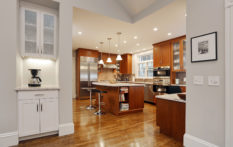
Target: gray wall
pixel 65 61
pixel 8 44
pixel 205 104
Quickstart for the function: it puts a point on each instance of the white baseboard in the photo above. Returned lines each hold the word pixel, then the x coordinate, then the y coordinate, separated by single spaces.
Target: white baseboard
pixel 192 141
pixel 9 139
pixel 66 129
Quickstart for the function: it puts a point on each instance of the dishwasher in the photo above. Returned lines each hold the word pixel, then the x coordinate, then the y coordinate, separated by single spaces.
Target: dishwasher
pixel 148 93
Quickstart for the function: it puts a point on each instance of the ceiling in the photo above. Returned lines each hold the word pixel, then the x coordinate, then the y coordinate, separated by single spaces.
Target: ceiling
pixel 96 27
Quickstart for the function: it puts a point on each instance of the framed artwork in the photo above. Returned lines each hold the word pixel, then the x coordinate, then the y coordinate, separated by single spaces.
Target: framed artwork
pixel 204 48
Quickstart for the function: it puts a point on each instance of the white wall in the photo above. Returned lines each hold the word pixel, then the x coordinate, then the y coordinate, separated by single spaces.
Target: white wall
pixel 8 45
pixel 74 74
pixel 48 72
pixel 205 104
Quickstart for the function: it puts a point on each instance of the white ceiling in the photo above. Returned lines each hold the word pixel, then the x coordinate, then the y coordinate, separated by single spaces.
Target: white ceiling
pixel 96 27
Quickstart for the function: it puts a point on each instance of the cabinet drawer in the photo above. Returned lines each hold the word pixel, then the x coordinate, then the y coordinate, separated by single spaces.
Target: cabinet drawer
pixel 22 95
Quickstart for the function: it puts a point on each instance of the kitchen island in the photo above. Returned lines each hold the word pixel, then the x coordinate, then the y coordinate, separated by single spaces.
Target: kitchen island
pixel 170 115
pixel 121 98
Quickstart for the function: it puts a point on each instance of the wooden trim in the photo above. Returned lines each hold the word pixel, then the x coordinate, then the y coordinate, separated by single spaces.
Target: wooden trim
pixel 166 41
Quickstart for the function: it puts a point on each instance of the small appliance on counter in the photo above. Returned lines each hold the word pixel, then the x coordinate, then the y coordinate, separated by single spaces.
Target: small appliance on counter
pixel 35 80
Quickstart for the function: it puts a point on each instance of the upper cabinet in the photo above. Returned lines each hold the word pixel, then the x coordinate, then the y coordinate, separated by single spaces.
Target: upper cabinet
pixel 38 32
pixel 162 54
pixel 126 64
pixel 178 54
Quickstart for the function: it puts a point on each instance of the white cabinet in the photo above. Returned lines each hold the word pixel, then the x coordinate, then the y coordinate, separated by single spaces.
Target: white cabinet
pixel 29 117
pixel 38 32
pixel 37 112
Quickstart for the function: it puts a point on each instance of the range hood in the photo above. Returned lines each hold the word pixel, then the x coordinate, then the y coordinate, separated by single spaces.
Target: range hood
pixel 110 66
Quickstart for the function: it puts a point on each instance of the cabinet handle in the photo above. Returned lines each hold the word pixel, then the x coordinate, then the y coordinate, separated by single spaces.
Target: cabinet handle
pixel 41 107
pixel 37 108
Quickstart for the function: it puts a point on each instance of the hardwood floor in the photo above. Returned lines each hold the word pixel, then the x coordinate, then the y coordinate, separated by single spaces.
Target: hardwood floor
pixel 133 130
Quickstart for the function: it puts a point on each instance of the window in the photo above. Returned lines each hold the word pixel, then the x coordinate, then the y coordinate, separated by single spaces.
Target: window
pixel 145 66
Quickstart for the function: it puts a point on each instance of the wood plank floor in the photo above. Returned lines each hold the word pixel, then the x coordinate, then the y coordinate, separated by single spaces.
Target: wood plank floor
pixel 132 130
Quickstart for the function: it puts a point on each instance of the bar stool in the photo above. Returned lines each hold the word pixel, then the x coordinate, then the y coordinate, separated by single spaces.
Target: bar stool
pixel 99 112
pixel 90 89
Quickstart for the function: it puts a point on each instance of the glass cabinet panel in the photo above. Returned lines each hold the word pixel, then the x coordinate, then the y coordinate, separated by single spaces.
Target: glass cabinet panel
pixel 48 34
pixel 184 54
pixel 30 31
pixel 176 56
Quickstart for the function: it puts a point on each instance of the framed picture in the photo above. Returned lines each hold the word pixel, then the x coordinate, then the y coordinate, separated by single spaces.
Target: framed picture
pixel 204 48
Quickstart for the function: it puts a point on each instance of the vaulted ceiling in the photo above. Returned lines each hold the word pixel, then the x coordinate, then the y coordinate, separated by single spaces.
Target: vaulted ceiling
pixel 98 21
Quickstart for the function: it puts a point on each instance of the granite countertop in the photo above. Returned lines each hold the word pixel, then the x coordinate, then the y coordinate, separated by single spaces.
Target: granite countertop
pixel 116 84
pixel 26 88
pixel 171 97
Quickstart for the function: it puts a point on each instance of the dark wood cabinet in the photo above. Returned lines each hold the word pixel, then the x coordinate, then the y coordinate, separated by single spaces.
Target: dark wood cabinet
pixel 170 118
pixel 126 64
pixel 161 54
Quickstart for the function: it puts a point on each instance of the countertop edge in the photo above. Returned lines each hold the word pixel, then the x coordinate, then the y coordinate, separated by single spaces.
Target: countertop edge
pixel 117 85
pixel 36 88
pixel 170 99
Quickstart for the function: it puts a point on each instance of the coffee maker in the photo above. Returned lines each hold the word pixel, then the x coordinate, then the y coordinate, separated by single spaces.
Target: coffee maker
pixel 35 80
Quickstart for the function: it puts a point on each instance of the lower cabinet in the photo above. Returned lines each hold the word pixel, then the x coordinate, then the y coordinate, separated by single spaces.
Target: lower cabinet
pixel 37 112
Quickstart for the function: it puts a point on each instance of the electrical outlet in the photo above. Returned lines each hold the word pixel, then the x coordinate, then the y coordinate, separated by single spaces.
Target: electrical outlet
pixel 198 80
pixel 213 81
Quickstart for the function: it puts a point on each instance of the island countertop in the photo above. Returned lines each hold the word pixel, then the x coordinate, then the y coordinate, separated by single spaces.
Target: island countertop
pixel 117 84
pixel 171 97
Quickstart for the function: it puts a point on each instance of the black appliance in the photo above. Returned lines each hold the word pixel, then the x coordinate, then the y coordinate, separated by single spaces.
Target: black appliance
pixel 163 71
pixel 35 80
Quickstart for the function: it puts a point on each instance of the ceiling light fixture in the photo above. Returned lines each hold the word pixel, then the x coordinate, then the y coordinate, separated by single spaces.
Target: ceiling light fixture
pixel 169 34
pixel 137 44
pixel 80 33
pixel 96 47
pixel 109 60
pixel 135 37
pixel 155 29
pixel 101 60
pixel 119 56
pixel 116 45
pixel 185 14
pixel 124 41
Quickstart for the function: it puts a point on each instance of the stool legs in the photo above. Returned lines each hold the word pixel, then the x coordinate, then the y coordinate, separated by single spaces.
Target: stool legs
pixel 99 112
pixel 90 107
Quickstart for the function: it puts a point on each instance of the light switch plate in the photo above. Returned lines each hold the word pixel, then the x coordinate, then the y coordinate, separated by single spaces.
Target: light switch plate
pixel 198 80
pixel 213 81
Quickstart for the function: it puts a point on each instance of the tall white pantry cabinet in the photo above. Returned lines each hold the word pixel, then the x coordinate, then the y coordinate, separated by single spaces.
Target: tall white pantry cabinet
pixel 38 31
pixel 37 112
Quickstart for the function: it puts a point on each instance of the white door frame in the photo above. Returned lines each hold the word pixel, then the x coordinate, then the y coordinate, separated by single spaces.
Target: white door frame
pixel 228 73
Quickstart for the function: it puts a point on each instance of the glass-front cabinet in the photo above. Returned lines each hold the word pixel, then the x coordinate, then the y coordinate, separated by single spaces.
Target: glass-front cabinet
pixel 38 32
pixel 179 55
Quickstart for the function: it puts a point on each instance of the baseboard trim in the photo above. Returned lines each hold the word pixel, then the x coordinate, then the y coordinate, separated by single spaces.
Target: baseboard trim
pixel 66 129
pixel 9 139
pixel 192 141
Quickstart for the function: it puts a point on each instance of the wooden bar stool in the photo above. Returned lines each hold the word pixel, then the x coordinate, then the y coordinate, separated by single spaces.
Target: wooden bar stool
pixel 90 89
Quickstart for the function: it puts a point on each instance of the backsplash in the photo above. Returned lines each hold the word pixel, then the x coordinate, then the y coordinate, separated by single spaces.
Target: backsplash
pixel 107 75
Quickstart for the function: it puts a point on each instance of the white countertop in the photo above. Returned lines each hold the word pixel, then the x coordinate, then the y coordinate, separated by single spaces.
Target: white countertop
pixel 182 85
pixel 116 84
pixel 172 97
pixel 26 88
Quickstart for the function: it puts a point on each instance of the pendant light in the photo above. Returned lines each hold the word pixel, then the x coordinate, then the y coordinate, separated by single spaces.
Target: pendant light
pixel 109 60
pixel 101 60
pixel 118 56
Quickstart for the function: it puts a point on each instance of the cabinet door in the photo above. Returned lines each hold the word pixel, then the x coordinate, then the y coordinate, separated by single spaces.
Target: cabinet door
pixel 48 115
pixel 176 55
pixel 165 53
pixel 48 31
pixel 157 56
pixel 30 32
pixel 184 54
pixel 28 117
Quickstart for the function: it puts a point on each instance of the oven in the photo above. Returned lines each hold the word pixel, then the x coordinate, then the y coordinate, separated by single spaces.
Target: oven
pixel 163 71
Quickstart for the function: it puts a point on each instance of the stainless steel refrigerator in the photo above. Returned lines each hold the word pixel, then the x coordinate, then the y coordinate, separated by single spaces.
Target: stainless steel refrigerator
pixel 88 74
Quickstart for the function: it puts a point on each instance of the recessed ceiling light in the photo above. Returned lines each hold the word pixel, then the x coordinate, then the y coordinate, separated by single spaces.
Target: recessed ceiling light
pixel 169 34
pixel 124 41
pixel 116 45
pixel 143 49
pixel 155 29
pixel 96 47
pixel 185 14
pixel 135 37
pixel 137 44
pixel 80 33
